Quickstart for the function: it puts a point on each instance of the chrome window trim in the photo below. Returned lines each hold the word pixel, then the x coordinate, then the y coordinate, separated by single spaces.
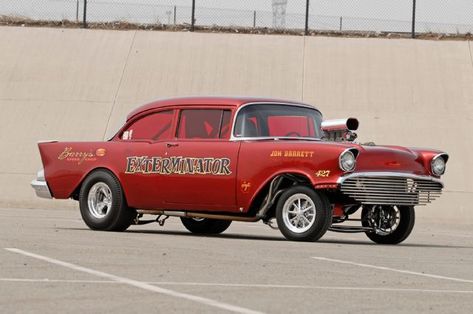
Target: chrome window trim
pixel 234 138
pixel 388 174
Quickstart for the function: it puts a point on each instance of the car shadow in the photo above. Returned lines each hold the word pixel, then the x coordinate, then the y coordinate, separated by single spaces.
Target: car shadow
pixel 369 243
pixel 239 236
pixel 235 236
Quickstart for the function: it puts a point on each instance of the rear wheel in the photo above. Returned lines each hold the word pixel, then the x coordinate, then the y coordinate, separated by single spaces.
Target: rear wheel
pixel 303 214
pixel 205 225
pixel 102 203
pixel 391 224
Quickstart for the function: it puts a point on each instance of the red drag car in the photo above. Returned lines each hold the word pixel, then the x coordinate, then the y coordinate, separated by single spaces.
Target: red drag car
pixel 211 161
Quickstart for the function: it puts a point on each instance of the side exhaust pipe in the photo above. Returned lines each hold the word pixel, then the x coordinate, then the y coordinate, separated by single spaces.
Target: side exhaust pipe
pixel 172 213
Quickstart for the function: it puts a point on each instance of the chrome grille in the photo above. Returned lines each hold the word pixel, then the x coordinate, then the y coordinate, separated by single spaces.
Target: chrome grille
pixel 391 190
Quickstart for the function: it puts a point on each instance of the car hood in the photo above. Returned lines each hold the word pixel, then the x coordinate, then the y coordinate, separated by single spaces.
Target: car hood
pixel 390 159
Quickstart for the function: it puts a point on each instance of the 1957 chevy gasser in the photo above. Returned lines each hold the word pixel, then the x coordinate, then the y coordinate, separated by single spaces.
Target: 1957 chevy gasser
pixel 214 160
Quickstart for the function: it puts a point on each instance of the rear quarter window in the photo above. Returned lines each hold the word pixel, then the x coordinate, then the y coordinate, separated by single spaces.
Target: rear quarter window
pixel 155 126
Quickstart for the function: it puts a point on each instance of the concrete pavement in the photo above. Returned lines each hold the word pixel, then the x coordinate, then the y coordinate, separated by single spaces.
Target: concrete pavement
pixel 51 262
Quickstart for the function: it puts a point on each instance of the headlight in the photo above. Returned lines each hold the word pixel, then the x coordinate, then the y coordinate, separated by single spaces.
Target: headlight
pixel 347 161
pixel 438 165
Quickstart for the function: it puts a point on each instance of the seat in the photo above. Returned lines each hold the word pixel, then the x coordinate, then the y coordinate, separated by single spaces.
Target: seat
pixel 247 129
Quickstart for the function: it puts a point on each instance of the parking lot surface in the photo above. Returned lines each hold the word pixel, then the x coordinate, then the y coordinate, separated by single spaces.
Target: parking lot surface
pixel 51 262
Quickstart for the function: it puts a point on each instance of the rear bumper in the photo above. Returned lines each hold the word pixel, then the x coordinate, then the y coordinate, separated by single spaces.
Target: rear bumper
pixel 41 186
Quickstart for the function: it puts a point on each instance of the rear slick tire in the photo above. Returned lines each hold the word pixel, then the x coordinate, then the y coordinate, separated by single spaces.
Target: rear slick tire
pixel 102 203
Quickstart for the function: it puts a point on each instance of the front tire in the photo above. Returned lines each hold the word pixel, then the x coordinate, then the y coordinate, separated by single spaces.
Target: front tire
pixel 205 225
pixel 303 214
pixel 392 224
pixel 102 203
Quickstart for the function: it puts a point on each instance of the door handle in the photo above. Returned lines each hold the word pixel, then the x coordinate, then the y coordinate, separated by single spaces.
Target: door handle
pixel 172 145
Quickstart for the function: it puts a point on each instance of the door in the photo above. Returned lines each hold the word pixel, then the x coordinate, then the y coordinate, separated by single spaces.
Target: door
pixel 144 147
pixel 202 162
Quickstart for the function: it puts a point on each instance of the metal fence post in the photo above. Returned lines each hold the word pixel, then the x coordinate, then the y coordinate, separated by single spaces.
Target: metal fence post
pixel 193 16
pixel 77 11
pixel 254 19
pixel 413 18
pixel 306 30
pixel 85 15
pixel 341 23
pixel 175 13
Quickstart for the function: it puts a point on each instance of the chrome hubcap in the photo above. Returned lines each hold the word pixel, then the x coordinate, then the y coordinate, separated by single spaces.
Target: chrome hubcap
pixel 384 219
pixel 299 213
pixel 99 200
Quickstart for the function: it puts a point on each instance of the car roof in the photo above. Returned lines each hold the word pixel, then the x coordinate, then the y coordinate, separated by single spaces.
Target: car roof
pixel 207 101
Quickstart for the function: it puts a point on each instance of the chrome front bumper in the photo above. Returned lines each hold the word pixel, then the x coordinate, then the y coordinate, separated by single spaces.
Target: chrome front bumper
pixel 40 186
pixel 390 188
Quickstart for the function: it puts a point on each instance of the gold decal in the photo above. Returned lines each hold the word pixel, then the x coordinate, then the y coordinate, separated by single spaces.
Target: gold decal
pixel 322 173
pixel 276 153
pixel 292 153
pixel 79 156
pixel 178 165
pixel 245 186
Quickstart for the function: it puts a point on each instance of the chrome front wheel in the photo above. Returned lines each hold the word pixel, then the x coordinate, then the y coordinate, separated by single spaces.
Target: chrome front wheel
pixel 299 213
pixel 390 224
pixel 303 214
pixel 384 219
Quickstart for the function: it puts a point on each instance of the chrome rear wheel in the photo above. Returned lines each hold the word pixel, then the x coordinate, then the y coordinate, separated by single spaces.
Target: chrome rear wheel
pixel 102 203
pixel 99 200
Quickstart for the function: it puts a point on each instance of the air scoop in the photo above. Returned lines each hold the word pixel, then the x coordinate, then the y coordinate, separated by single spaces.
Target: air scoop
pixel 340 130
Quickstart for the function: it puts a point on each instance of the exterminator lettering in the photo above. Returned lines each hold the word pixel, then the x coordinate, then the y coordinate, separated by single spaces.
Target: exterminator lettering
pixel 178 165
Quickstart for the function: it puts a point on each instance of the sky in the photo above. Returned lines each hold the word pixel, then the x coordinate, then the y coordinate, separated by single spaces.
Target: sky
pixel 376 15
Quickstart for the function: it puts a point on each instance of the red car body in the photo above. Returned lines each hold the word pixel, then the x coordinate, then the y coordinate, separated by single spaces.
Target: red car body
pixel 231 175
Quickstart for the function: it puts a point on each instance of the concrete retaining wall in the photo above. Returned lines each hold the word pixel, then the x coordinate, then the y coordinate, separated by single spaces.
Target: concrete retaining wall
pixel 74 84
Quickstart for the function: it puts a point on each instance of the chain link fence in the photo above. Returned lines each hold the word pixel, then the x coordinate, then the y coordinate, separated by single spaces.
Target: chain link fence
pixel 304 16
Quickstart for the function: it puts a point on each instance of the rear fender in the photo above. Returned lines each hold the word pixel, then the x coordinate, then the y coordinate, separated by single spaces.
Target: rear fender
pixel 67 164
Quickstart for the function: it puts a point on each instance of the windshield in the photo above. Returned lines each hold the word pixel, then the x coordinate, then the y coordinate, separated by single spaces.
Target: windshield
pixel 266 120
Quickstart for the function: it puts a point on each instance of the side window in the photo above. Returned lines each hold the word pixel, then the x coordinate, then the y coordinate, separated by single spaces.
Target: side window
pixel 156 126
pixel 204 124
pixel 226 126
pixel 248 125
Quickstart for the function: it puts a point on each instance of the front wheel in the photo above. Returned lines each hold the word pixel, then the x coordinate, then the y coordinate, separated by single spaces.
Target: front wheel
pixel 303 214
pixel 102 203
pixel 391 224
pixel 205 225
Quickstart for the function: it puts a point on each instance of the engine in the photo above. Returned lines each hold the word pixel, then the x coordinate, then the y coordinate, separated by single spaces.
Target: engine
pixel 340 130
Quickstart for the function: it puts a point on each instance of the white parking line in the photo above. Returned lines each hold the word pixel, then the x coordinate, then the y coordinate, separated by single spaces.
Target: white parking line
pixel 243 285
pixel 392 269
pixel 137 284
pixel 448 234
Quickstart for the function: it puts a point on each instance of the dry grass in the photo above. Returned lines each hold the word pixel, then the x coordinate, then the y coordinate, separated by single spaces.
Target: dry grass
pixel 122 25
